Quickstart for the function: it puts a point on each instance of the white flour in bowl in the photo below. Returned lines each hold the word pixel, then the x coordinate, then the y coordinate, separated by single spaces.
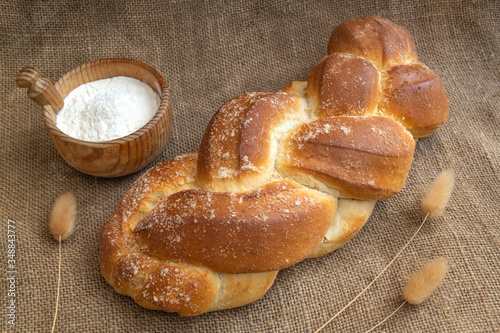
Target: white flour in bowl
pixel 107 109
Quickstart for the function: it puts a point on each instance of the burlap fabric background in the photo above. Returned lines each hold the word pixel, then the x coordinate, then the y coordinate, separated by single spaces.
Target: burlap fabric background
pixel 209 53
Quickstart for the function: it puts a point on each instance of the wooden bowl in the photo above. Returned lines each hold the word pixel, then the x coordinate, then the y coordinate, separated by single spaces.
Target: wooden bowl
pixel 112 158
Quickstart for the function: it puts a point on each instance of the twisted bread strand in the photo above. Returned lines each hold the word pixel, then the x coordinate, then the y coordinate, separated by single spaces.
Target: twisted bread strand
pixel 279 177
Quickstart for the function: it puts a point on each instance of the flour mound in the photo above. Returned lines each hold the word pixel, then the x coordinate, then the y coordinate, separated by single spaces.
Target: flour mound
pixel 107 109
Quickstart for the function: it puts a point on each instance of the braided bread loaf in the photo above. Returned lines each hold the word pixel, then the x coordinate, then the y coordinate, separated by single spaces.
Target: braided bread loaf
pixel 279 177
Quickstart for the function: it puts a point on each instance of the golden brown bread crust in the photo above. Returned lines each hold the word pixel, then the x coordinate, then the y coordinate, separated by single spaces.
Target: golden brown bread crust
pixel 415 96
pixel 410 92
pixel 236 153
pixel 222 161
pixel 168 285
pixel 343 84
pixel 351 216
pixel 363 157
pixel 280 177
pixel 267 229
pixel 376 39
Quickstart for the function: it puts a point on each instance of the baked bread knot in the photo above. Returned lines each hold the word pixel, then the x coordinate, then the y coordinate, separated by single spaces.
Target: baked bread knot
pixel 279 177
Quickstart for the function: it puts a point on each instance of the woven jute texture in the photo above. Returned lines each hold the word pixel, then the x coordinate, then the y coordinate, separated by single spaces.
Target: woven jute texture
pixel 210 52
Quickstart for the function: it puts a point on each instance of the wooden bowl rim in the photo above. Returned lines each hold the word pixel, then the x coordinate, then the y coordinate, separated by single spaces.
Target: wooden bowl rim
pixel 163 109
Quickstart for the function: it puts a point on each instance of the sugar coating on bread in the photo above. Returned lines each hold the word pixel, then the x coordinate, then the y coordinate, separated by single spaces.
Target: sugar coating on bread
pixel 279 177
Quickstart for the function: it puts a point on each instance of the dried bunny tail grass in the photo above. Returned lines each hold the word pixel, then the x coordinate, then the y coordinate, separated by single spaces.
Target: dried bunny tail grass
pixel 61 226
pixel 433 205
pixel 62 218
pixel 386 318
pixel 438 195
pixel 423 283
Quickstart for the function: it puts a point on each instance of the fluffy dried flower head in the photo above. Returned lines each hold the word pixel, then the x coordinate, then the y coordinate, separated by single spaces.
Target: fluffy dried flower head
pixel 423 283
pixel 438 195
pixel 62 218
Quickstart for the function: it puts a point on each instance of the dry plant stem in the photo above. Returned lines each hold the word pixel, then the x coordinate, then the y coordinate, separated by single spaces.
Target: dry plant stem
pixel 58 287
pixel 389 316
pixel 373 281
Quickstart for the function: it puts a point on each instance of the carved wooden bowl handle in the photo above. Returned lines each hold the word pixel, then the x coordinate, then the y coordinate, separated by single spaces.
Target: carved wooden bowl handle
pixel 40 89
